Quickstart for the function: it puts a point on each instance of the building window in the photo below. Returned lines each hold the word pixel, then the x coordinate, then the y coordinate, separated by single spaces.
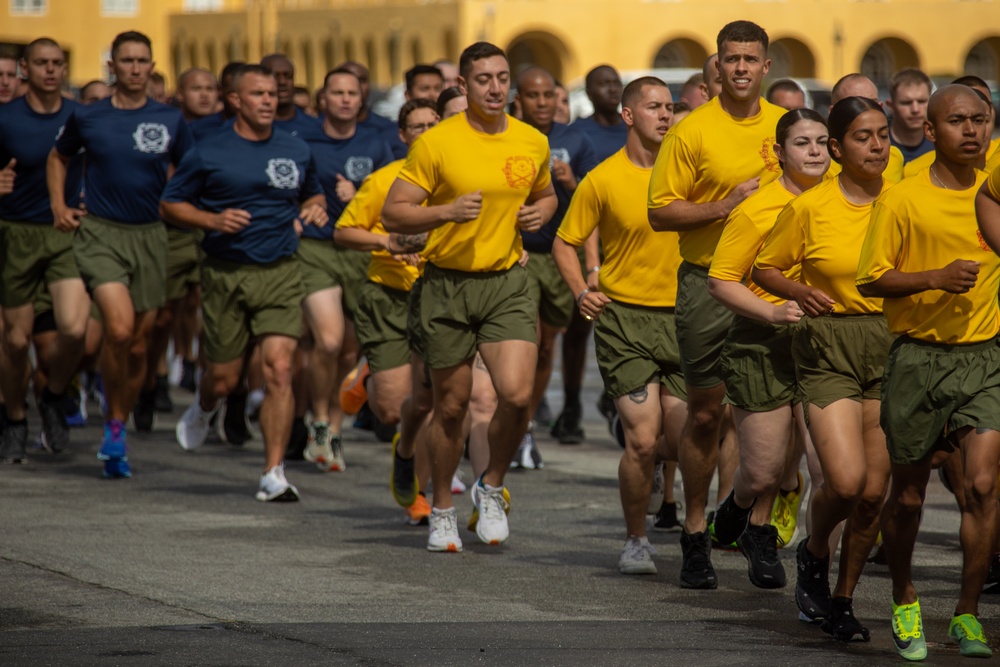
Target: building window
pixel 202 5
pixel 29 7
pixel 119 7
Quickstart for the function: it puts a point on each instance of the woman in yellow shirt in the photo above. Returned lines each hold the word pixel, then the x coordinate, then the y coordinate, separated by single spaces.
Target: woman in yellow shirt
pixel 840 351
pixel 760 375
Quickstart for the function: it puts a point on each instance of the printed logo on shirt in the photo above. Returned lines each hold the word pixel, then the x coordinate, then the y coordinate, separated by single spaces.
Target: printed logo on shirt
pixel 982 242
pixel 560 154
pixel 358 167
pixel 151 138
pixel 282 173
pixel 520 172
pixel 768 156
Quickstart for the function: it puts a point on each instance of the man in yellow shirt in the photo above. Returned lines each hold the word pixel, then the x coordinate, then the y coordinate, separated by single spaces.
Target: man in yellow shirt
pixel 939 283
pixel 484 177
pixel 710 163
pixel 634 307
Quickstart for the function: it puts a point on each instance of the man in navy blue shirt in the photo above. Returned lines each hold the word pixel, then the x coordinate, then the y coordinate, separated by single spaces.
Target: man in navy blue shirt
pixel 250 188
pixel 35 255
pixel 572 157
pixel 909 93
pixel 605 127
pixel 371 120
pixel 120 243
pixel 346 153
pixel 289 117
pixel 209 125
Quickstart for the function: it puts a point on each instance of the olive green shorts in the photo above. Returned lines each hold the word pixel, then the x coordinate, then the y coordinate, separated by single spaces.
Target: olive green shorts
pixel 636 346
pixel 244 301
pixel 930 390
pixel 183 262
pixel 134 255
pixel 759 371
pixel 840 357
pixel 326 265
pixel 460 310
pixel 34 255
pixel 415 334
pixel 702 326
pixel 381 325
pixel 549 292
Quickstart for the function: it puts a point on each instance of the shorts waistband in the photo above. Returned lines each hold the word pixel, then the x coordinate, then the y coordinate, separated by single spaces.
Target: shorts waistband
pixel 691 266
pixel 649 309
pixel 854 316
pixel 229 265
pixel 431 268
pixel 946 347
pixel 91 218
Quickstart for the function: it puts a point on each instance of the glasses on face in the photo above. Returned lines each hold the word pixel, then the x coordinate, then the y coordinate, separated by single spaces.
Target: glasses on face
pixel 420 127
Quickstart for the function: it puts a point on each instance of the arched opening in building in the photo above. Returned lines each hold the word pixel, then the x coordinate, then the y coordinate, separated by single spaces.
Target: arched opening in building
pixel 886 57
pixel 395 57
pixel 983 59
pixel 538 49
pixel 680 52
pixel 177 54
pixel 416 50
pixel 791 58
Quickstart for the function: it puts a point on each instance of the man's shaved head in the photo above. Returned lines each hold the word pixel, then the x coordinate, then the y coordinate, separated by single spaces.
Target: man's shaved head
pixel 943 99
pixel 532 73
pixel 853 85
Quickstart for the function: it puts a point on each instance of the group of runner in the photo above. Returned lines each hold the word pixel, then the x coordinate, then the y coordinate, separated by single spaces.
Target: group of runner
pixel 762 283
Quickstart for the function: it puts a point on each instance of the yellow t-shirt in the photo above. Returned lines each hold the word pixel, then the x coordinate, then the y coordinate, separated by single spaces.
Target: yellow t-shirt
pixel 705 157
pixel 365 212
pixel 823 232
pixel 917 226
pixel 893 170
pixel 747 227
pixel 453 159
pixel 917 165
pixel 640 265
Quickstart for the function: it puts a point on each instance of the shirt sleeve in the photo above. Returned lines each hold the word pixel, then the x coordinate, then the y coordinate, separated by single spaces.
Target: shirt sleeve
pixel 882 246
pixel 183 142
pixel 70 142
pixel 420 168
pixel 674 173
pixel 582 216
pixel 784 248
pixel 311 185
pixel 737 248
pixel 544 177
pixel 586 157
pixel 364 209
pixel 188 181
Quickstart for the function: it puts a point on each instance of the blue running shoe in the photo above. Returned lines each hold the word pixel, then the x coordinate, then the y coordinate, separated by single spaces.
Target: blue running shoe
pixel 117 469
pixel 113 451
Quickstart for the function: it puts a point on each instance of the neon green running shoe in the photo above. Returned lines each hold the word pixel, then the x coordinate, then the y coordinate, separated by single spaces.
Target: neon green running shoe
pixel 908 631
pixel 966 631
pixel 785 513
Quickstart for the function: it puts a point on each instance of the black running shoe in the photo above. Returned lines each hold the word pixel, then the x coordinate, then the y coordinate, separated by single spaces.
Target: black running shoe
pixel 144 411
pixel 161 395
pixel 759 545
pixel 666 519
pixel 14 442
pixel 696 567
pixel 812 586
pixel 53 411
pixel 297 441
pixel 731 520
pixel 842 624
pixel 543 415
pixel 188 376
pixel 567 429
pixel 235 425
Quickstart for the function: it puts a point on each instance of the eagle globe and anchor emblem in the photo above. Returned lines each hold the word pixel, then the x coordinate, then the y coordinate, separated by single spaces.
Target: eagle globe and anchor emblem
pixel 282 173
pixel 151 138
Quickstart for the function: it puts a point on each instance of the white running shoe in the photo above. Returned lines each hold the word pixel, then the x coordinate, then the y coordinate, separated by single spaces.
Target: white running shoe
pixel 457 485
pixel 492 527
pixel 193 426
pixel 318 446
pixel 274 486
pixel 659 488
pixel 637 556
pixel 443 533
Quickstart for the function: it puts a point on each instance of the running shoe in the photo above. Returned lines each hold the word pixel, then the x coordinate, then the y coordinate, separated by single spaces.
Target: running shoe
pixel 567 429
pixel 731 520
pixel 14 442
pixel 193 426
pixel 318 445
pixel 113 451
pixel 275 488
pixel 97 391
pixel 336 462
pixel 666 519
pixel 812 585
pixel 492 526
pixel 144 411
pixel 353 393
pixel 254 400
pixel 403 481
pixel 189 379
pixel 842 624
pixel 785 513
pixel 161 395
pixel 53 411
pixel 696 566
pixel 659 488
pixel 418 513
pixel 637 556
pixel 528 457
pixel 76 404
pixel 908 631
pixel 457 484
pixel 474 517
pixel 759 544
pixel 966 631
pixel 233 427
pixel 716 544
pixel 543 415
pixel 442 534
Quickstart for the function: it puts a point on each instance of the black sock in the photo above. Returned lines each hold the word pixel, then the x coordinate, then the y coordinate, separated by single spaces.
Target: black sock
pixel 572 397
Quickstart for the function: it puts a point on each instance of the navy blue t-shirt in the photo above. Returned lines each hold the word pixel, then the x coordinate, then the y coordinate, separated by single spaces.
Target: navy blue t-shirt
pixel 566 144
pixel 353 158
pixel 268 179
pixel 203 128
pixel 606 140
pixel 913 152
pixel 301 125
pixel 389 131
pixel 129 152
pixel 28 137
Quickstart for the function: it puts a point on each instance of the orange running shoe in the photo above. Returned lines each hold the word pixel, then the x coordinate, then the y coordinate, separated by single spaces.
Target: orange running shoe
pixel 419 512
pixel 353 394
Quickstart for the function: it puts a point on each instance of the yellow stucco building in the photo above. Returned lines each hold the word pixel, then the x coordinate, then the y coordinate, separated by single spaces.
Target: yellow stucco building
pixel 821 39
